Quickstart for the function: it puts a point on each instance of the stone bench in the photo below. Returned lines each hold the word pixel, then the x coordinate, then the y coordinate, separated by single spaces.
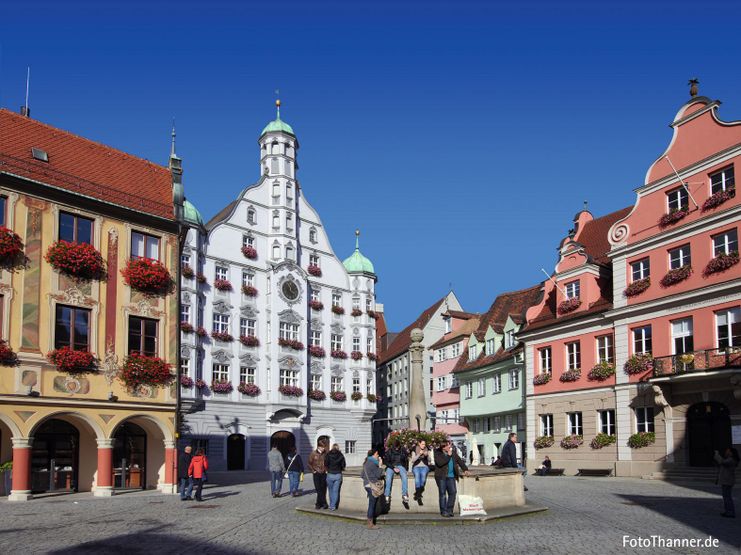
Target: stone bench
pixel 594 472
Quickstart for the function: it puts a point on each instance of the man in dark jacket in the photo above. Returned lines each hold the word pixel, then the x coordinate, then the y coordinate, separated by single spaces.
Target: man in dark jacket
pixel 318 467
pixel 186 483
pixel 509 453
pixel 447 465
pixel 397 461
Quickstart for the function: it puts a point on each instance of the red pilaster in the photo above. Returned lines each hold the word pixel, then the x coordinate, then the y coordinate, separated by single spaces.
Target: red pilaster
pixel 21 490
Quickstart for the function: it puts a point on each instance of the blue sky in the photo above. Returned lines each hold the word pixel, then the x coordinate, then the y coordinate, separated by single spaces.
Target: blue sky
pixel 460 137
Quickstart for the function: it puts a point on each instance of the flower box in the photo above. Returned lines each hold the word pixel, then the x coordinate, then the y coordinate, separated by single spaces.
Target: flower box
pixel 356 312
pixel 542 378
pixel 721 263
pixel 569 305
pixel 8 357
pixel 717 199
pixel 77 260
pixel 201 331
pixel 572 375
pixel 222 386
pixel 186 382
pixel 226 337
pixel 637 287
pixel 186 327
pixel 407 436
pixel 71 361
pixel 291 390
pixel 249 389
pixel 249 341
pixel 602 440
pixel 249 252
pixel 139 369
pixel 338 396
pixel 148 276
pixel 641 439
pixel 199 383
pixel 338 310
pixel 372 398
pixel 371 356
pixel 600 372
pixel 11 248
pixel 356 355
pixel 356 396
pixel 294 344
pixel 249 291
pixel 638 364
pixel 372 314
pixel 223 285
pixel 676 275
pixel 316 351
pixel 314 270
pixel 200 278
pixel 339 354
pixel 571 442
pixel 316 305
pixel 673 217
pixel 317 395
pixel 543 442
pixel 187 272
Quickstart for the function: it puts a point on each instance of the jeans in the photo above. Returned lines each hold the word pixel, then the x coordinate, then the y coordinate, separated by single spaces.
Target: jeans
pixel 334 481
pixel 320 485
pixel 729 509
pixel 447 489
pixel 390 478
pixel 199 487
pixel 186 488
pixel 276 482
pixel 293 480
pixel 371 505
pixel 420 475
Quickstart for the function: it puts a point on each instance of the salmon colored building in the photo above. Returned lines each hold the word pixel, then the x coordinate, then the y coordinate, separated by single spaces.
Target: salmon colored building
pixel 75 415
pixel 634 353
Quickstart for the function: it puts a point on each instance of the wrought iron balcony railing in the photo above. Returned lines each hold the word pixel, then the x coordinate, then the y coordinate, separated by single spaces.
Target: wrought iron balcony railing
pixel 697 361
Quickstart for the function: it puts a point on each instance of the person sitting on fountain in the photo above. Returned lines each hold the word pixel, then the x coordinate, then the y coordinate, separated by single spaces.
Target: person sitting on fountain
pixel 420 467
pixel 397 460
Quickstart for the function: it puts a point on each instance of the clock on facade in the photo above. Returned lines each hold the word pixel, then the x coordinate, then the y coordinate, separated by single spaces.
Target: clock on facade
pixel 290 290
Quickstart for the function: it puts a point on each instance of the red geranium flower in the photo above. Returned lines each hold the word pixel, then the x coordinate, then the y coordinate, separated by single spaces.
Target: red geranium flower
pixel 148 276
pixel 11 248
pixel 79 260
pixel 139 369
pixel 71 361
pixel 249 252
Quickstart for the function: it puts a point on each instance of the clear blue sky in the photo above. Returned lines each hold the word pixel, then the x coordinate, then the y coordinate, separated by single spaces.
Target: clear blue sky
pixel 460 137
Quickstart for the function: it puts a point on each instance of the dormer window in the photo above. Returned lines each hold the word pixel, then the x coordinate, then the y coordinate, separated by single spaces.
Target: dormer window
pixel 572 290
pixel 472 352
pixel 509 339
pixel 448 324
pixel 678 199
pixel 722 180
pixel 312 235
pixel 490 347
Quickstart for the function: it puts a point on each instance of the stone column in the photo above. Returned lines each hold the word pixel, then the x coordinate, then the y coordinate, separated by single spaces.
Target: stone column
pixel 104 480
pixel 169 485
pixel 21 490
pixel 417 406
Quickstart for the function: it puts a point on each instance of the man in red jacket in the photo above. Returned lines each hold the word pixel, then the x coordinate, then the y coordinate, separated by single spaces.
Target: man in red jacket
pixel 197 471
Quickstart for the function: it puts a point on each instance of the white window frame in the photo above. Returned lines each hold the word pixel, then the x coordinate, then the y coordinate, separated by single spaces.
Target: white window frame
pixel 677 199
pixel 546 360
pixel 605 349
pixel 469 390
pixel 643 338
pixel 220 323
pixel 288 331
pixel 575 423
pixel 572 289
pixel 336 342
pixel 441 383
pixel 455 349
pixel 680 256
pixel 481 387
pixel 725 242
pixel 681 329
pixel 316 382
pixel 220 372
pixel 247 327
pixel 247 374
pixel 546 425
pixel 573 355
pixel 727 319
pixel 607 423
pixel 496 383
pixel 642 420
pixel 640 269
pixel 726 181
pixel 514 379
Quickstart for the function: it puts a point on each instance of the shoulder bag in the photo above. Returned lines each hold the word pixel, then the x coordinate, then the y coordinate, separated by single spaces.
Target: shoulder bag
pixel 376 487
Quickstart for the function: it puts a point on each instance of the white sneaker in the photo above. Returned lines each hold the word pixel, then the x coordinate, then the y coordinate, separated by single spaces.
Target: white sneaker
pixel 388 499
pixel 405 498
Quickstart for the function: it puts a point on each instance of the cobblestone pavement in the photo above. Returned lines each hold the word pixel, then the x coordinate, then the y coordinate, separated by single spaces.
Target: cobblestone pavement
pixel 586 515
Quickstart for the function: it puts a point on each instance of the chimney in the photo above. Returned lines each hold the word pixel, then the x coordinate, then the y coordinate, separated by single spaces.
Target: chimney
pixel 25 111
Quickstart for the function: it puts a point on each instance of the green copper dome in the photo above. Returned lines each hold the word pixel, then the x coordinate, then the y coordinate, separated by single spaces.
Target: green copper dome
pixel 356 262
pixel 192 215
pixel 278 125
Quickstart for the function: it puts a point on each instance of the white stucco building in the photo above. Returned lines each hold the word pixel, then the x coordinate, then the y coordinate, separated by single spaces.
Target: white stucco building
pixel 282 313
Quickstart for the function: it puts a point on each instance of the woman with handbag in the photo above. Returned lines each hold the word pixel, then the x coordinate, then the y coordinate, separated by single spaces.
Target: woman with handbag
pixel 294 470
pixel 373 485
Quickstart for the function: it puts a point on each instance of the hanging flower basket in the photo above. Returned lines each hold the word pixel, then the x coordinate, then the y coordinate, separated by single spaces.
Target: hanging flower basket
pixel 338 310
pixel 673 217
pixel 291 390
pixel 249 252
pixel 221 386
pixel 200 278
pixel 249 389
pixel 338 396
pixel 186 327
pixel 186 382
pixel 314 270
pixel 569 305
pixel 249 291
pixel 8 357
pixel 602 440
pixel 356 396
pixel 721 263
pixel 714 201
pixel 641 439
pixel 571 375
pixel 224 336
pixel 356 355
pixel 372 398
pixel 249 341
pixel 77 260
pixel 71 361
pixel 571 442
pixel 638 364
pixel 637 287
pixel 339 354
pixel 356 312
pixel 148 276
pixel 294 344
pixel 11 249
pixel 600 372
pixel 675 276
pixel 543 442
pixel 201 331
pixel 139 369
pixel 371 356
pixel 372 314
pixel 187 272
pixel 317 395
pixel 316 305
pixel 687 358
pixel 542 378
pixel 316 351
pixel 199 383
pixel 223 285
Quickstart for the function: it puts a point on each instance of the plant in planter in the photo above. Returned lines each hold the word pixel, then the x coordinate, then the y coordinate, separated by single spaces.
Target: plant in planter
pixel 187 272
pixel 8 357
pixel 569 305
pixel 222 386
pixel 356 355
pixel 186 382
pixel 542 378
pixel 602 440
pixel 291 390
pixel 571 442
pixel 717 199
pixel 148 276
pixel 317 395
pixel 186 327
pixel 637 287
pixel 224 336
pixel 601 371
pixel 249 341
pixel 11 249
pixel 294 344
pixel 249 291
pixel 139 369
pixel 407 437
pixel 638 364
pixel 339 354
pixel 371 398
pixel 641 439
pixel 338 396
pixel 316 351
pixel 356 312
pixel 201 331
pixel 675 215
pixel 338 310
pixel 71 361
pixel 223 285
pixel 249 252
pixel 249 389
pixel 356 396
pixel 314 270
pixel 77 260
pixel 316 305
pixel 571 375
pixel 199 383
pixel 676 275
pixel 371 356
pixel 543 442
pixel 721 263
pixel 200 278
pixel 372 314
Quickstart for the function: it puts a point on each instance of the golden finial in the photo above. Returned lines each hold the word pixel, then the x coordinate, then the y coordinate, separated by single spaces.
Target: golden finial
pixel 277 102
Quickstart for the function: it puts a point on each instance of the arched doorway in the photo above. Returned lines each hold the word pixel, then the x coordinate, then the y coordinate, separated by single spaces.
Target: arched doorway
pixel 235 452
pixel 129 457
pixel 283 440
pixel 708 429
pixel 55 457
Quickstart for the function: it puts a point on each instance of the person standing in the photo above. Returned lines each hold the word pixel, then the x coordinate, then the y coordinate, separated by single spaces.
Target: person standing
pixel 197 470
pixel 318 467
pixel 294 469
pixel 371 473
pixel 397 461
pixel 447 471
pixel 186 482
pixel 509 453
pixel 420 469
pixel 335 466
pixel 277 468
pixel 727 479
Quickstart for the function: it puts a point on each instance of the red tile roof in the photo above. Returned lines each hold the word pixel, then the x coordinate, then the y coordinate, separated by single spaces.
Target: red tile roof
pixel 84 167
pixel 594 235
pixel 466 329
pixel 403 339
pixel 461 315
